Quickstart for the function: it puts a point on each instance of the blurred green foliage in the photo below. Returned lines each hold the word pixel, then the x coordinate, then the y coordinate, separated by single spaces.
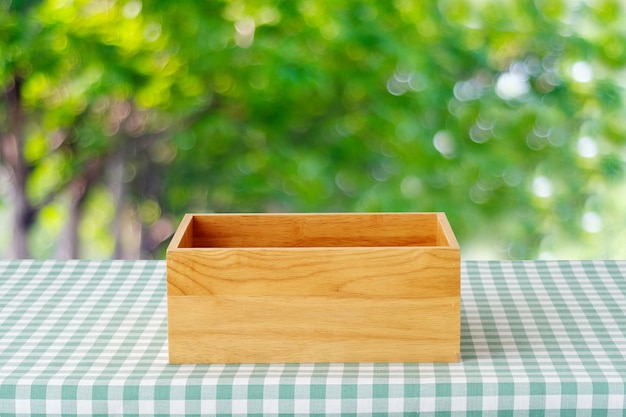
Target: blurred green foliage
pixel 123 115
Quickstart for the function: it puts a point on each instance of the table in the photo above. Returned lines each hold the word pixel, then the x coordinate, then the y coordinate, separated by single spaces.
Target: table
pixel 89 337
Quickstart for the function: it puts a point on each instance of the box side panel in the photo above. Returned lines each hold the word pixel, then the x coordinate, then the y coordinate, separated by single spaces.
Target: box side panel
pixel 243 329
pixel 445 235
pixel 183 237
pixel 315 230
pixel 333 272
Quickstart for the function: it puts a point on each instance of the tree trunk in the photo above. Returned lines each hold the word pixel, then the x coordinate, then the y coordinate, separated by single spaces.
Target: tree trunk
pixel 13 156
pixel 78 189
pixel 115 180
pixel 67 247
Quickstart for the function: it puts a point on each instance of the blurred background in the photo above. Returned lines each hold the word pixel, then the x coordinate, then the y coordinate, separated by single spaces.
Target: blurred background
pixel 119 116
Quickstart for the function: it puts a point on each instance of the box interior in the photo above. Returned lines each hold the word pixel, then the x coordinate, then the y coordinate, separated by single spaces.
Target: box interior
pixel 319 230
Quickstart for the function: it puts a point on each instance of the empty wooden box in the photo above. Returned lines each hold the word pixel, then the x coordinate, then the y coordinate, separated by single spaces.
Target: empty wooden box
pixel 353 287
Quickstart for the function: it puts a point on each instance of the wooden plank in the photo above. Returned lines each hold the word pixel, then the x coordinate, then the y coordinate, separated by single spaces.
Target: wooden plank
pixel 371 272
pixel 246 329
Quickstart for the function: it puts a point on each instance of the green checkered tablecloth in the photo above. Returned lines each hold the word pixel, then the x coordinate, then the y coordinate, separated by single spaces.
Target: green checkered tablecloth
pixel 89 337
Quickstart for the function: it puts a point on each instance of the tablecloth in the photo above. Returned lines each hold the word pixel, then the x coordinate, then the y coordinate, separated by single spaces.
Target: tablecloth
pixel 90 338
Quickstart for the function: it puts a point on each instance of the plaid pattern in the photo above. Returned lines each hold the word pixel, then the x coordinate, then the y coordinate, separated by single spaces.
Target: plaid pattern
pixel 89 337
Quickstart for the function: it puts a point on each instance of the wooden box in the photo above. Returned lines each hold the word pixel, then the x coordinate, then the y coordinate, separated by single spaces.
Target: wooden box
pixel 357 287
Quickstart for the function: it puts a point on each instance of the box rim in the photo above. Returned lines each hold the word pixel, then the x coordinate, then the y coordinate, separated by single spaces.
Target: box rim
pixel 187 222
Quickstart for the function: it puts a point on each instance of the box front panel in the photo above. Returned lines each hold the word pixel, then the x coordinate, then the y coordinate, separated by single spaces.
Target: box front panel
pixel 369 272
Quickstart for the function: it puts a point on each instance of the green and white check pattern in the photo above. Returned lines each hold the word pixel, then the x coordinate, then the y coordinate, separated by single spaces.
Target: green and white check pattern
pixel 89 338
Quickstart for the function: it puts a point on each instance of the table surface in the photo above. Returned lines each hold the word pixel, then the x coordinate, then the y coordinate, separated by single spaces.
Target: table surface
pixel 90 337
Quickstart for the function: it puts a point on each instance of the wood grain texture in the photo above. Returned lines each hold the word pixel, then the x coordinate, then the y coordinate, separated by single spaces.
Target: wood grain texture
pixel 313 288
pixel 245 329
